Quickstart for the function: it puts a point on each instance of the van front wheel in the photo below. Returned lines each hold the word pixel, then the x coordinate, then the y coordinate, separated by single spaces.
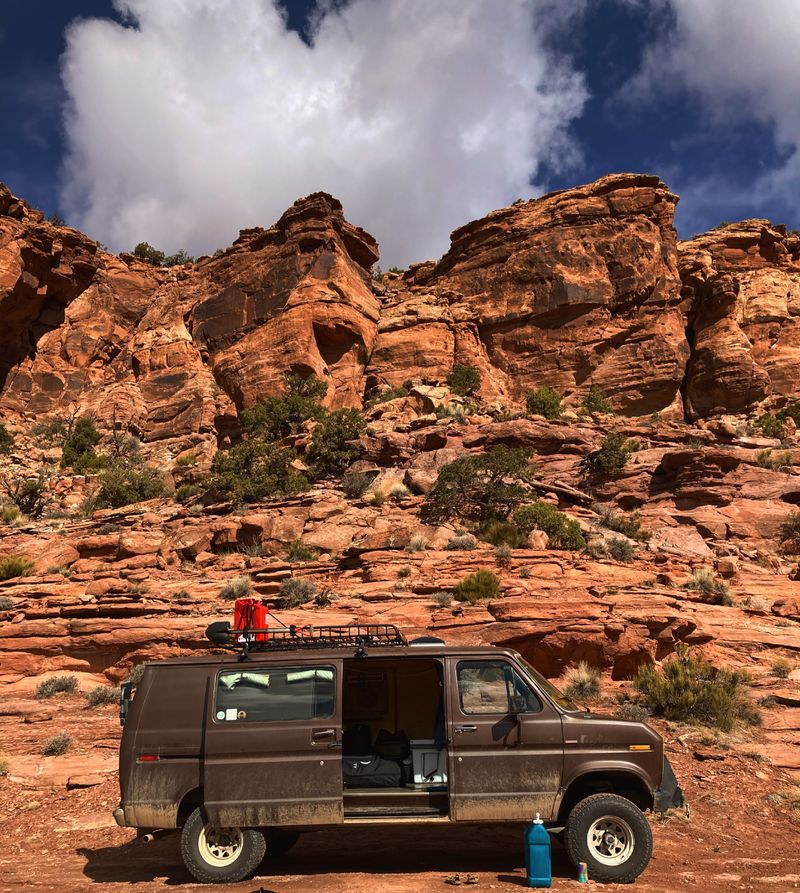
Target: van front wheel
pixel 611 835
pixel 220 855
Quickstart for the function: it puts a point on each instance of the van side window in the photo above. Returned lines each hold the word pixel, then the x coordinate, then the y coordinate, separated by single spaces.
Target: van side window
pixel 275 694
pixel 494 686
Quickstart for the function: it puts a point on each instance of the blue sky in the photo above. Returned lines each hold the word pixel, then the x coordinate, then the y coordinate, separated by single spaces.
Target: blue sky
pixel 636 96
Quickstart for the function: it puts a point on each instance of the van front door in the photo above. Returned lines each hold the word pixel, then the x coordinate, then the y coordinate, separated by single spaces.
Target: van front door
pixel 272 749
pixel 506 745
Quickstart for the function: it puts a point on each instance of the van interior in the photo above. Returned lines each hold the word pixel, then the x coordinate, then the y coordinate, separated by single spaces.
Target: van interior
pixel 394 742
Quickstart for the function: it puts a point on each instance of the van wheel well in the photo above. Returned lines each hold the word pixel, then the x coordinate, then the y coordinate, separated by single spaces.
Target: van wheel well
pixel 191 801
pixel 626 784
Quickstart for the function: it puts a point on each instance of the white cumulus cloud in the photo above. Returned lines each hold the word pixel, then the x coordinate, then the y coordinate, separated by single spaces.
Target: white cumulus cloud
pixel 200 117
pixel 740 61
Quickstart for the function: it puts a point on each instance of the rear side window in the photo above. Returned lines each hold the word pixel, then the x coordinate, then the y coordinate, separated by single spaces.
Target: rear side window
pixel 275 694
pixel 494 687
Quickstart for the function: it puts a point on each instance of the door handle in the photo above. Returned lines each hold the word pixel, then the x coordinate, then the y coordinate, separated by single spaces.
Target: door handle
pixel 461 729
pixel 323 734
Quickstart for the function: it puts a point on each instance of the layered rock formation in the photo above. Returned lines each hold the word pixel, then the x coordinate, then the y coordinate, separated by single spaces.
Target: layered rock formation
pixel 585 286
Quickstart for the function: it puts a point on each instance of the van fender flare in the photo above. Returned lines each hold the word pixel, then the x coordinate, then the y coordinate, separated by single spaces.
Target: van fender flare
pixel 600 767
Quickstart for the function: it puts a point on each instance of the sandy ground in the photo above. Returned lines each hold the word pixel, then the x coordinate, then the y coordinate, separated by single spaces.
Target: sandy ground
pixel 743 833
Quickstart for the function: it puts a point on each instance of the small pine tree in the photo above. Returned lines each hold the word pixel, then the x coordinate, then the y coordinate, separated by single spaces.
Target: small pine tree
pixel 543 401
pixel 464 380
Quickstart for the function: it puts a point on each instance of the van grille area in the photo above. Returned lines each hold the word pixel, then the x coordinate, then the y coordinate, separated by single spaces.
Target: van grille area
pixel 359 637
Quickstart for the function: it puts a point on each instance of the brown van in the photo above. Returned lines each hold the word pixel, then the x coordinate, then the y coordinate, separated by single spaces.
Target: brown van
pixel 353 725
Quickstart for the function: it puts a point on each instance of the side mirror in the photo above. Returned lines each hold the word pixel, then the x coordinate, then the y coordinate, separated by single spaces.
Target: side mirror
pixel 517 704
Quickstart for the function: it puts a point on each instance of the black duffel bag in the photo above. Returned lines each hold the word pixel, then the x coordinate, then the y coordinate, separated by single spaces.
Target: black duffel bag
pixel 371 772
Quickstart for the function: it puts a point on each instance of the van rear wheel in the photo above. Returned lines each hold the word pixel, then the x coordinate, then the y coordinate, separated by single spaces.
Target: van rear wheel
pixel 220 855
pixel 611 835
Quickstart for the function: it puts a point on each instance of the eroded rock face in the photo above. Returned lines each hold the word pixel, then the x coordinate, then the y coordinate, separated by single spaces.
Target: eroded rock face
pixel 743 282
pixel 175 353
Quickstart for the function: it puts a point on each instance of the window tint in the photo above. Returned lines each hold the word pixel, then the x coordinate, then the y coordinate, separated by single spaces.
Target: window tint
pixel 488 686
pixel 275 694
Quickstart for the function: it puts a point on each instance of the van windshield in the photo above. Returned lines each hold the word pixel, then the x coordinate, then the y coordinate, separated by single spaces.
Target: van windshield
pixel 558 696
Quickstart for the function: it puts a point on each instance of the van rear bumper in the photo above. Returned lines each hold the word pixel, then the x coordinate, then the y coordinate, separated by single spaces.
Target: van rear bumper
pixel 669 794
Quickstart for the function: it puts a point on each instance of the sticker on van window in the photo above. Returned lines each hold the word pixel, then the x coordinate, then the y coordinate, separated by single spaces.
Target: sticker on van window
pixel 230 713
pixel 220 714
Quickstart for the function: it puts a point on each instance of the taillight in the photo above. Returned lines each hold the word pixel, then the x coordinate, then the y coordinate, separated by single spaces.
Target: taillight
pixel 149 758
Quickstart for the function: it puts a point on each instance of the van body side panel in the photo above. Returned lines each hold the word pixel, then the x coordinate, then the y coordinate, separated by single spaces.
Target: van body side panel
pixel 273 772
pixel 165 720
pixel 503 767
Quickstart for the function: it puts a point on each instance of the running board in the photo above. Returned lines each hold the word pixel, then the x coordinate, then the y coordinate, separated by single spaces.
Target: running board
pixel 391 812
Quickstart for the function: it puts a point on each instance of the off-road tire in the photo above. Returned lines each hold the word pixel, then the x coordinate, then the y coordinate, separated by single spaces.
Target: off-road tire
pixel 250 844
pixel 595 809
pixel 279 842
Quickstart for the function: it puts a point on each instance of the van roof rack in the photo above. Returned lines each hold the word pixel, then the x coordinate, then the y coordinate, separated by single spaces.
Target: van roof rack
pixel 359 636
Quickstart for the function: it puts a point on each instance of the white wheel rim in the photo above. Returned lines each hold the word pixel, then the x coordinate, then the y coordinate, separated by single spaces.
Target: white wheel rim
pixel 610 840
pixel 220 846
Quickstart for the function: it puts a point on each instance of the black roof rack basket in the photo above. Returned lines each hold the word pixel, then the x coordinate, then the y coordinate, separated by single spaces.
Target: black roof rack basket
pixel 291 638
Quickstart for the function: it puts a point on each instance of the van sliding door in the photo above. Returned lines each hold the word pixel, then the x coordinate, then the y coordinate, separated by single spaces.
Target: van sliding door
pixel 272 750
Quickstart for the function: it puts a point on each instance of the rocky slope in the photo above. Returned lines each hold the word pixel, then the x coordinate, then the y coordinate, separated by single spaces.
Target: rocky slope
pixel 690 341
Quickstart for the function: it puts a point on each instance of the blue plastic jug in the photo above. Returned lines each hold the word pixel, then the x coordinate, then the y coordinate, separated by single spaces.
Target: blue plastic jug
pixel 537 854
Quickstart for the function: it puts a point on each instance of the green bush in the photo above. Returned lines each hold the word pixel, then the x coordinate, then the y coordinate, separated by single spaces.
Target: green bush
pixel 150 255
pixel 399 492
pixel 464 380
pixel 462 542
pixel 123 482
pixel 297 550
pixel 6 439
pixel 6 603
pixel 477 587
pixel 28 494
pixel 102 695
pixel 781 668
pixel 485 487
pixel 633 712
pixel 15 566
pixel 502 555
pixel 688 688
pixel 332 449
pixel 417 543
pixel 135 674
pixel 66 684
pixel 296 591
pixel 769 424
pixel 562 531
pixel 596 401
pixel 712 591
pixel 78 450
pixel 355 484
pixel 57 746
pixel 613 455
pixel 375 397
pixel 281 415
pixel 627 525
pixel 237 587
pixel 620 549
pixel 187 492
pixel 582 683
pixel 254 470
pixel 404 571
pixel 9 514
pixel 790 531
pixel 442 599
pixel 543 401
pixel 501 533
